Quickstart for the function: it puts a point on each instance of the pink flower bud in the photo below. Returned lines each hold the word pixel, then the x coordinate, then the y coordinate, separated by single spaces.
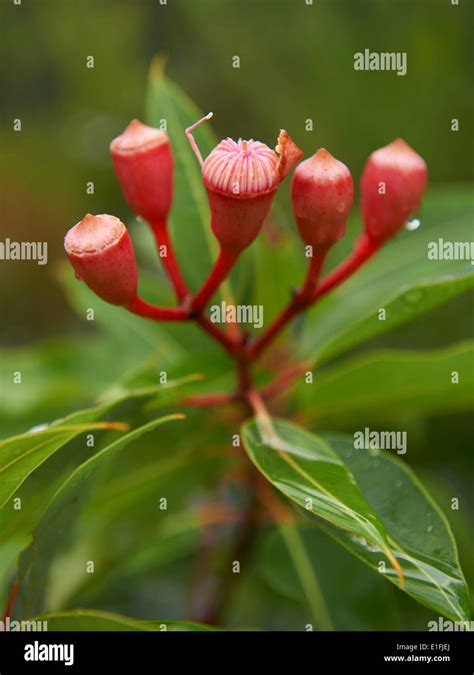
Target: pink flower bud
pixel 241 178
pixel 392 186
pixel 322 193
pixel 101 252
pixel 143 162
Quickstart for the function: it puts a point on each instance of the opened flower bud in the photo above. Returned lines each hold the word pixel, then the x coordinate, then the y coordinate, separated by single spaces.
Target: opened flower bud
pixel 322 194
pixel 241 178
pixel 392 186
pixel 143 162
pixel 101 252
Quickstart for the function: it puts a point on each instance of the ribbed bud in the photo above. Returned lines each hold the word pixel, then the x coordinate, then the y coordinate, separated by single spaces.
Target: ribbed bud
pixel 241 178
pixel 322 194
pixel 101 252
pixel 392 186
pixel 143 162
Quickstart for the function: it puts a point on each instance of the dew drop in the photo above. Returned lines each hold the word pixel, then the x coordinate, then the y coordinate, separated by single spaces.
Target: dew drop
pixel 429 528
pixel 38 427
pixel 414 296
pixel 413 224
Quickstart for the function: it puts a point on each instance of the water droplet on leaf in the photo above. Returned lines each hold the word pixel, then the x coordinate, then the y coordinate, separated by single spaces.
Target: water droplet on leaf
pixel 413 224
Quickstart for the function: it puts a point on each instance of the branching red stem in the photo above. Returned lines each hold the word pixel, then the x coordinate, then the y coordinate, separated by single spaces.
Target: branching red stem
pixel 160 230
pixel 283 381
pixel 231 345
pixel 311 292
pixel 219 272
pixel 149 311
pixel 300 301
pixel 364 249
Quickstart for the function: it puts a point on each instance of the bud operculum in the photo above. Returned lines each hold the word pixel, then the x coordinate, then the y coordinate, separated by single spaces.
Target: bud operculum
pixel 101 252
pixel 322 193
pixel 392 186
pixel 143 162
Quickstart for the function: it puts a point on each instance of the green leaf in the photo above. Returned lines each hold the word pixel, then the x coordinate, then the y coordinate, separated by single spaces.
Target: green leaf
pixel 51 532
pixel 36 490
pixel 306 574
pixel 21 455
pixel 122 529
pixel 355 598
pixel 400 278
pixel 97 620
pixel 158 546
pixel 193 240
pixel 385 384
pixel 306 469
pixel 417 528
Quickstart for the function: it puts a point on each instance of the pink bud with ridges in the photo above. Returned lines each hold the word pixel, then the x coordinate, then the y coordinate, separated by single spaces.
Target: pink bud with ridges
pixel 392 186
pixel 101 252
pixel 241 178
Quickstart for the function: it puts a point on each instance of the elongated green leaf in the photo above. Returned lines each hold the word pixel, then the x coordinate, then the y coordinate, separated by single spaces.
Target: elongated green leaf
pixel 389 383
pixel 57 377
pixel 354 597
pixel 417 529
pixel 21 455
pixel 138 485
pixel 306 575
pixel 37 488
pixel 179 626
pixel 140 538
pixel 97 620
pixel 158 546
pixel 50 534
pixel 400 279
pixel 310 472
pixel 193 239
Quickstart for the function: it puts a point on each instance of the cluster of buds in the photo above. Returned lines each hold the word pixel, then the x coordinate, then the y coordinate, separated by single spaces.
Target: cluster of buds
pixel 241 179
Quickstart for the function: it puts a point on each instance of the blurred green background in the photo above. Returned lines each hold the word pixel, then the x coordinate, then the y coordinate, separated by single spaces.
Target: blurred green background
pixel 296 63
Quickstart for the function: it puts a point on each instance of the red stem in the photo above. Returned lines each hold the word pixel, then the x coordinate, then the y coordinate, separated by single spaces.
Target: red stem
pixel 284 381
pixel 11 600
pixel 363 250
pixel 171 265
pixel 149 311
pixel 230 345
pixel 160 230
pixel 312 276
pixel 219 272
pixel 301 300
